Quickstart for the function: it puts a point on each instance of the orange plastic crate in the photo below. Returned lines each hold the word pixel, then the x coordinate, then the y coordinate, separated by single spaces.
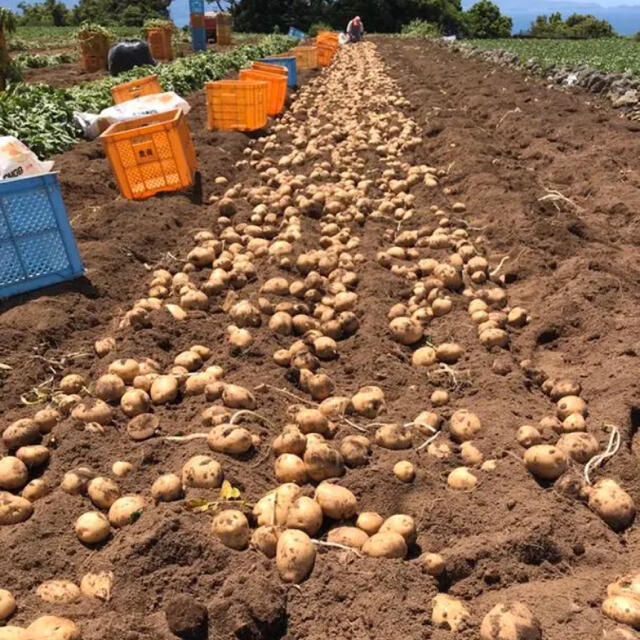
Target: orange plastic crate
pixel 306 57
pixel 236 105
pixel 160 44
pixel 93 63
pixel 270 68
pixel 325 54
pixel 276 91
pixel 151 154
pixel 330 37
pixel 136 88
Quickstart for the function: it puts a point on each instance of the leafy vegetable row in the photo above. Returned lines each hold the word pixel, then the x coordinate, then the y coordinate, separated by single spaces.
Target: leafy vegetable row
pixel 42 116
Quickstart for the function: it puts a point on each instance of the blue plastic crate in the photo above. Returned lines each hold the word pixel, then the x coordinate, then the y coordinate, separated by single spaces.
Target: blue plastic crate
pixel 199 39
pixel 37 247
pixel 296 33
pixel 290 65
pixel 196 6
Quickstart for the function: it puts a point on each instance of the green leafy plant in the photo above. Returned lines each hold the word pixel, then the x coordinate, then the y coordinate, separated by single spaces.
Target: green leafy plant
pixel 317 27
pixel 90 35
pixel 420 29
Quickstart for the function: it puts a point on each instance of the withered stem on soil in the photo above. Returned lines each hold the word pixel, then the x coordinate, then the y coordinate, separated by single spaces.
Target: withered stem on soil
pixel 337 545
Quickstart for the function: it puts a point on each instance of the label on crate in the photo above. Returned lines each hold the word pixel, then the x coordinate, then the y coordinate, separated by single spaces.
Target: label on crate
pixel 18 161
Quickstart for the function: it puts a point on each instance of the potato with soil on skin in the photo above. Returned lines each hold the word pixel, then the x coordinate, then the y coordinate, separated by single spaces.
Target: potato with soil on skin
pixel 34 455
pixel 92 527
pixel 545 461
pixel 103 492
pixel 232 529
pixel 404 471
pixel 368 401
pixel 72 383
pixel 231 439
pixel 405 330
pixel 46 419
pixel 237 397
pixel 348 536
pixel 494 337
pixel 291 440
pixel 58 591
pixel 335 501
pixel 290 468
pixel 97 585
pixel 370 522
pixel 461 479
pixel 126 510
pixel 7 604
pixel 305 514
pixel 510 622
pixel 21 433
pixel 167 488
pixel 563 388
pixel 265 540
pixel 135 402
pixel 53 628
pixel 312 421
pixel 75 482
pixel 322 461
pixel 92 410
pixel 143 427
pixel 403 524
pixel 579 446
pixel 449 352
pixel 393 436
pixel 13 473
pixel 164 389
pixel 121 468
pixel 612 503
pixel 295 555
pixel 464 425
pixel 355 450
pixel 527 436
pixel 35 490
pixel 125 368
pixel 623 609
pixel 109 388
pixel 424 357
pixel 273 508
pixel 385 545
pixel 569 405
pixel 202 472
pixel 470 455
pixel 433 563
pixel 449 612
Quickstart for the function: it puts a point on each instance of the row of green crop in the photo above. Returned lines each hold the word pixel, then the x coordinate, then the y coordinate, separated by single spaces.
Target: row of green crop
pixel 42 116
pixel 607 54
pixel 38 61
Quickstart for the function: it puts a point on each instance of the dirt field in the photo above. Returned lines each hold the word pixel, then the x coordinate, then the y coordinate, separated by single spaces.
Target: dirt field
pixel 504 142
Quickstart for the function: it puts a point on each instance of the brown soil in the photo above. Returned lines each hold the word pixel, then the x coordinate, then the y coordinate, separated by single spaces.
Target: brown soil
pixel 575 267
pixel 62 75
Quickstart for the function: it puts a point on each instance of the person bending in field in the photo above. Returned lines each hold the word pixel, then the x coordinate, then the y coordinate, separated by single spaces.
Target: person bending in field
pixel 355 29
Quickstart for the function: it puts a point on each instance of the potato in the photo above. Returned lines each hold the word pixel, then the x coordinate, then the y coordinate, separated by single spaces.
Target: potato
pixel 265 540
pixel 572 423
pixel 125 368
pixel 322 461
pixel 53 628
pixel 312 421
pixel 385 545
pixel 202 472
pixel 402 524
pixel 470 454
pixel 335 501
pixel 493 337
pixel 545 461
pixel 231 439
pixel 164 389
pixel 13 473
pixel 627 585
pixel 464 425
pixel 570 404
pixel 510 622
pixel 35 490
pixel 10 632
pixel 104 346
pixel 92 527
pixel 368 401
pixel 232 529
pixel 612 503
pixel 281 323
pixel 355 450
pixel 273 508
pixel 405 330
pixel 527 436
pixel 320 386
pixel 562 388
pixel 103 492
pixel 336 407
pixel 21 433
pixel 433 563
pixel 404 471
pixel 134 402
pixel 393 436
pixel 424 357
pixel 76 481
pixel 143 427
pixel 167 488
pixel 109 388
pixel 35 455
pixel 295 555
pixel 348 536
pixel 325 348
pixel 97 585
pixel 305 514
pixel 46 419
pixel 121 468
pixel 461 479
pixel 449 612
pixel 126 510
pixel 291 440
pixel 7 604
pixel 370 522
pixel 236 397
pixel 92 410
pixel 579 446
pixel 623 609
pixel 72 383
pixel 290 468
pixel 190 360
pixel 449 352
pixel 58 591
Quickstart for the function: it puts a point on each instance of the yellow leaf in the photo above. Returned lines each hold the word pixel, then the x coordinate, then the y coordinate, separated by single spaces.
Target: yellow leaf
pixel 229 492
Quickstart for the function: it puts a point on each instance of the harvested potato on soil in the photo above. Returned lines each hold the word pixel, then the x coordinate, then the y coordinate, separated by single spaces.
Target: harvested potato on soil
pixel 322 461
pixel 406 331
pixel 348 536
pixel 385 545
pixel 449 612
pixel 273 508
pixel 126 510
pixel 355 450
pixel 335 501
pixel 370 522
pixel 202 472
pixel 14 509
pixel 368 402
pixel 167 488
pixel 13 473
pixel 103 492
pixel 7 604
pixel 53 628
pixel 612 503
pixel 92 527
pixel 97 585
pixel 232 528
pixel 510 622
pixel 290 468
pixel 393 436
pixel 579 446
pixel 58 591
pixel 433 563
pixel 461 479
pixel 21 433
pixel 404 471
pixel 464 425
pixel 571 404
pixel 231 439
pixel 295 555
pixel 470 454
pixel 545 461
pixel 402 524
